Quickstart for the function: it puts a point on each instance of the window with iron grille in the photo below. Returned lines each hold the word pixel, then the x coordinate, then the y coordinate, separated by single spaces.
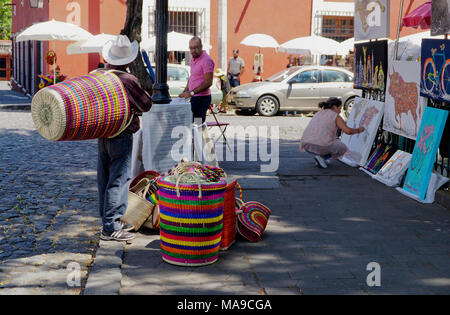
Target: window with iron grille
pixel 338 28
pixel 337 25
pixel 182 20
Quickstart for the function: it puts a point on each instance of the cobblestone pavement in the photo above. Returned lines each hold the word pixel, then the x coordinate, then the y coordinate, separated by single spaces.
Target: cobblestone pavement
pixel 48 214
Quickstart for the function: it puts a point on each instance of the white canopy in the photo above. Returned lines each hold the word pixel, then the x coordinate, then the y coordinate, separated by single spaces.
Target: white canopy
pixel 314 45
pixel 346 46
pixel 409 47
pixel 53 30
pixel 260 40
pixel 92 45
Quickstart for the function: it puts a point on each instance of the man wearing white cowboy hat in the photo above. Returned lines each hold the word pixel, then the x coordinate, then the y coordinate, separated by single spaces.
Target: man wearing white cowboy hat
pixel 114 154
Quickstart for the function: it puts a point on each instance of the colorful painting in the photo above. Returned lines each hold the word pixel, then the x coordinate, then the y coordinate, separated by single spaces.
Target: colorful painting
pixel 371 65
pixel 366 113
pixel 435 69
pixel 425 151
pixel 379 156
pixel 440 17
pixel 371 19
pixel 391 173
pixel 404 106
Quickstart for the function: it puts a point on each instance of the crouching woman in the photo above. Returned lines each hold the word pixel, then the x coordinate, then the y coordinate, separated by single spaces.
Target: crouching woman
pixel 319 137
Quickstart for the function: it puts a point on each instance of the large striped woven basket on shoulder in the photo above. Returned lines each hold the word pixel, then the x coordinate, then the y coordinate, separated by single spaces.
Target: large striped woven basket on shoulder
pixel 190 220
pixel 86 107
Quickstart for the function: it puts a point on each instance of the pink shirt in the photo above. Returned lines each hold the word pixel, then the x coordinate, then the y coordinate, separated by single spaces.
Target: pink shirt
pixel 200 66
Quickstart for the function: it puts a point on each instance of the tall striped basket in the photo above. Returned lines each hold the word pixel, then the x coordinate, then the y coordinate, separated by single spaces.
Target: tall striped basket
pixel 86 107
pixel 229 215
pixel 190 219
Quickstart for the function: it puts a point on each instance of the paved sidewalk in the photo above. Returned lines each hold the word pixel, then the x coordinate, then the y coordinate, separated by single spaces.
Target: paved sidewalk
pixel 12 100
pixel 326 227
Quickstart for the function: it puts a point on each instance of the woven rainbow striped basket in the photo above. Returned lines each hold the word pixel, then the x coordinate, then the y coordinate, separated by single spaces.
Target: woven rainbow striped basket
pixel 190 220
pixel 86 107
pixel 252 220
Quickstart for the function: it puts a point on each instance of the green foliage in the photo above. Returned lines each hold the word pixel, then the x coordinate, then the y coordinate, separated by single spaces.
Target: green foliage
pixel 5 19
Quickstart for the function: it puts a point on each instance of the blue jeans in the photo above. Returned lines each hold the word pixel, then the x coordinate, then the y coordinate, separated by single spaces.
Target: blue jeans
pixel 235 82
pixel 113 176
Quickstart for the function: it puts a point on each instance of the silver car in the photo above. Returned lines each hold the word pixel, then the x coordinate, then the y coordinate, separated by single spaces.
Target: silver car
pixel 295 88
pixel 177 77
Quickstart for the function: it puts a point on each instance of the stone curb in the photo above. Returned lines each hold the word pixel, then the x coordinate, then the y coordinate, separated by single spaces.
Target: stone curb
pixel 106 274
pixel 442 198
pixel 22 107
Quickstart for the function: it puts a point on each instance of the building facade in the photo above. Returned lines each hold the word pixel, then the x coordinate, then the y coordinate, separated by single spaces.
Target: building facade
pixel 222 25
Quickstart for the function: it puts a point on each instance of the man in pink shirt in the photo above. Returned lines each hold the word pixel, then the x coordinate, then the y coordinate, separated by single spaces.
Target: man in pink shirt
pixel 201 79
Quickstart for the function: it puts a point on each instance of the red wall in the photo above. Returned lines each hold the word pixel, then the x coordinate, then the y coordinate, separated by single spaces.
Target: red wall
pixel 283 20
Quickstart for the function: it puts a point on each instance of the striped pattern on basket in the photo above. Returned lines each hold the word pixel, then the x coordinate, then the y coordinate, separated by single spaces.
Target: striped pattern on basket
pixel 190 228
pixel 253 220
pixel 94 106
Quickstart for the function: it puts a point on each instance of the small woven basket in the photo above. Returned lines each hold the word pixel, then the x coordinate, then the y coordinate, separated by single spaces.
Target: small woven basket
pixel 140 209
pixel 252 220
pixel 86 107
pixel 191 219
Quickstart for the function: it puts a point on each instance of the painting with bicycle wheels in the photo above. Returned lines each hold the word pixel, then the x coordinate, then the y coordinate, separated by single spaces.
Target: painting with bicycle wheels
pixel 435 69
pixel 404 106
pixel 425 151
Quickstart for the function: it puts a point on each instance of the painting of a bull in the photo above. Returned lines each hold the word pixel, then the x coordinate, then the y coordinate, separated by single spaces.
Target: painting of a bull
pixel 404 106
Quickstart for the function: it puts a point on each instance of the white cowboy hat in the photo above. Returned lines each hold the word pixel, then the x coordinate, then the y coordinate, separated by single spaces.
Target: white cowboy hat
pixel 219 72
pixel 120 51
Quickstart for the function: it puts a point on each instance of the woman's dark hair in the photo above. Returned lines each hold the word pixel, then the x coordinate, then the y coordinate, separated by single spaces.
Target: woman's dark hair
pixel 329 103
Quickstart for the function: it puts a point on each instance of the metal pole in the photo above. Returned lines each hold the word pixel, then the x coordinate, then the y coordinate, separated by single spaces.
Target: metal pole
pixel 222 40
pixel 398 29
pixel 160 88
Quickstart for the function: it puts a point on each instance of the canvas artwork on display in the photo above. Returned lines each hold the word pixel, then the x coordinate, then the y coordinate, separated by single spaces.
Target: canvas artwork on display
pixel 366 113
pixel 392 172
pixel 377 159
pixel 425 151
pixel 435 69
pixel 440 17
pixel 404 106
pixel 371 65
pixel 371 19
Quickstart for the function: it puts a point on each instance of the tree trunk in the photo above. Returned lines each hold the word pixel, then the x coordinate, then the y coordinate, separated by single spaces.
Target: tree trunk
pixel 132 29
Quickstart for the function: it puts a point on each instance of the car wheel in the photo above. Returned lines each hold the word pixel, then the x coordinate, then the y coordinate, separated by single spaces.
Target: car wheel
pixel 267 106
pixel 347 108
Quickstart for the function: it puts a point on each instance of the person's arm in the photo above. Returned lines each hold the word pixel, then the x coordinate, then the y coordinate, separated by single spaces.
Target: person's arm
pixel 140 100
pixel 185 93
pixel 202 87
pixel 242 69
pixel 343 126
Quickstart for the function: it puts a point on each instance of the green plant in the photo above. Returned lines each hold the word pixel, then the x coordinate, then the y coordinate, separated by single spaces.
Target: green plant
pixel 5 19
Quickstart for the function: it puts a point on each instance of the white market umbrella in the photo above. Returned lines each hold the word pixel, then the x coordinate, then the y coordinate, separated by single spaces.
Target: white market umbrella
pixel 92 45
pixel 314 45
pixel 346 46
pixel 175 42
pixel 51 31
pixel 260 40
pixel 410 46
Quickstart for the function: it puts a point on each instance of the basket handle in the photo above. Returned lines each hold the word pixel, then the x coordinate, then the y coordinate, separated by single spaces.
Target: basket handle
pixel 240 203
pixel 240 190
pixel 198 182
